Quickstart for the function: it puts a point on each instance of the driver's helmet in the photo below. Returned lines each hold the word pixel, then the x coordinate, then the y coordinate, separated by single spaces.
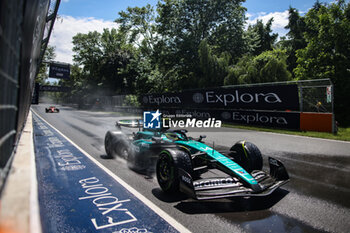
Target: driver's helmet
pixel 174 136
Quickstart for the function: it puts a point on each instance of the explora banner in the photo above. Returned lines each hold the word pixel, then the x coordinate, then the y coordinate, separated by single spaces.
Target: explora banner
pixel 277 97
pixel 275 119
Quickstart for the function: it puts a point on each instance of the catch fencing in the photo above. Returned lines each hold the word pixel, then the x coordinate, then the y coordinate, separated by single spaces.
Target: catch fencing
pixel 316 96
pixel 25 28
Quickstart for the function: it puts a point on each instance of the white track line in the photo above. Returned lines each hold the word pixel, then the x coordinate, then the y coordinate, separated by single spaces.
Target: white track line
pixel 35 223
pixel 142 198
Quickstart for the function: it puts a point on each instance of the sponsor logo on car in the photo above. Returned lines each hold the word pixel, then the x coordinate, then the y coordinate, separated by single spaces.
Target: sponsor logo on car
pixel 216 182
pixel 186 179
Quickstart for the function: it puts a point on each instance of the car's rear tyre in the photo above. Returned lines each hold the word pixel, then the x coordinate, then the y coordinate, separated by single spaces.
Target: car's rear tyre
pixel 110 140
pixel 123 148
pixel 138 161
pixel 116 143
pixel 247 155
pixel 168 164
pixel 132 161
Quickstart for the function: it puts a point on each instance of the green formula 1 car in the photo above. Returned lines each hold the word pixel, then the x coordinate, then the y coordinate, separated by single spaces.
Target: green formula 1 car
pixel 188 165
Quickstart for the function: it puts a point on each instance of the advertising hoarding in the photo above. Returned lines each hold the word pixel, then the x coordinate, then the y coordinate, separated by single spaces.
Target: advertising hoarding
pixel 60 71
pixel 277 97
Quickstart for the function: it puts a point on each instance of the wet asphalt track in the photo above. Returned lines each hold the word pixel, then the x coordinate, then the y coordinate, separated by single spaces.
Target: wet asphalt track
pixel 317 199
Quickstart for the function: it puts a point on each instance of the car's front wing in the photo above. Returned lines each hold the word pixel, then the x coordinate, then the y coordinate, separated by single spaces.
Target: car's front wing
pixel 221 187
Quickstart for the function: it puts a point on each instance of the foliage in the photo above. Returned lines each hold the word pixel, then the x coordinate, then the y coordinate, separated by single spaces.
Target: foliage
pixel 131 100
pixel 138 24
pixel 76 82
pixel 185 44
pixel 139 27
pixel 104 58
pixel 252 40
pixel 327 54
pixel 260 37
pixel 49 56
pixel 269 66
pixel 296 39
pixel 189 44
pixel 184 24
pixel 214 69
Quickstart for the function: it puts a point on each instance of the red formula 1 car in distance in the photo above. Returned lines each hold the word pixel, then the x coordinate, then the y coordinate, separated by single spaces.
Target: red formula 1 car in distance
pixel 52 109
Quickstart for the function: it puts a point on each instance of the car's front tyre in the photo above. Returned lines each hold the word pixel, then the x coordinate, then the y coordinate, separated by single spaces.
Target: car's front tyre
pixel 167 169
pixel 247 155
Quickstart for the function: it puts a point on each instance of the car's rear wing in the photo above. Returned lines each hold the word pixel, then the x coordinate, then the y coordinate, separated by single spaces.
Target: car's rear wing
pixel 130 123
pixel 136 123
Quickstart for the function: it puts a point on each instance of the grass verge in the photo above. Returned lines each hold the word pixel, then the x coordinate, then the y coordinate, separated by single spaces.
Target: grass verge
pixel 343 133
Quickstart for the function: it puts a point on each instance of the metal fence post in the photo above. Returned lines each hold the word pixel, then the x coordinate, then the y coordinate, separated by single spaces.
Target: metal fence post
pixel 300 97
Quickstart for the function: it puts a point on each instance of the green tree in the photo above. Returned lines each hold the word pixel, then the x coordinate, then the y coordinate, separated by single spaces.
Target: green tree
pixel 269 66
pixel 327 54
pixel 214 69
pixel 296 40
pixel 105 58
pixel 87 48
pixel 260 37
pixel 114 61
pixel 49 56
pixel 77 84
pixel 138 23
pixel 184 24
pixel 252 40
